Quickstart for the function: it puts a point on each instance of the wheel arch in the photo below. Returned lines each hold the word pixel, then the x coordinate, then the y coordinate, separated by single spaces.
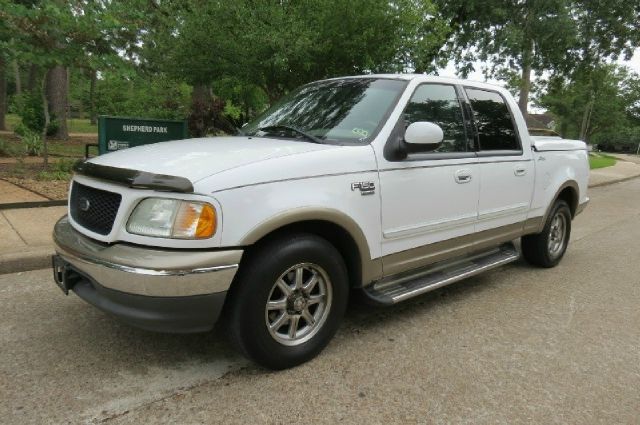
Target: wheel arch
pixel 569 192
pixel 336 227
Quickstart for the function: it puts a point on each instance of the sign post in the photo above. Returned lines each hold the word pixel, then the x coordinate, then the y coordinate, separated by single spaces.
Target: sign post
pixel 117 133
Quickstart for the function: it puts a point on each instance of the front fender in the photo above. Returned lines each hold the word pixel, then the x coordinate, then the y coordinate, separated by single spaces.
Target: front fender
pixel 253 212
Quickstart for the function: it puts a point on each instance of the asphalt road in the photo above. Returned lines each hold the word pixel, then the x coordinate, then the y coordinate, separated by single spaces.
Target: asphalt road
pixel 517 345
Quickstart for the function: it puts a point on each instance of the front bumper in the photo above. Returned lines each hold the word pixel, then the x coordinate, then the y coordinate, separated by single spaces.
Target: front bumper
pixel 156 289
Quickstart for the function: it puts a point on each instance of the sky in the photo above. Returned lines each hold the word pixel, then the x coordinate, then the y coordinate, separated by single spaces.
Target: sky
pixel 450 71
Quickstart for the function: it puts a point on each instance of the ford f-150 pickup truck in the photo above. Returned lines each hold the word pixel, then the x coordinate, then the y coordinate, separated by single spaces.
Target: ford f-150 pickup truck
pixel 390 185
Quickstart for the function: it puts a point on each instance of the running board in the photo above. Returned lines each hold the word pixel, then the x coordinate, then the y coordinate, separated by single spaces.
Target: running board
pixel 398 288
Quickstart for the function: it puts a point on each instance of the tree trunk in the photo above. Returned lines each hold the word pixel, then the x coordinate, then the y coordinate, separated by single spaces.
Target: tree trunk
pixel 47 120
pixel 200 110
pixel 3 93
pixel 586 119
pixel 525 82
pixel 92 99
pixel 16 77
pixel 57 89
pixel 32 78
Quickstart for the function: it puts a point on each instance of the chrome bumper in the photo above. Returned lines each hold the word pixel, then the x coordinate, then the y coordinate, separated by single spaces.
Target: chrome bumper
pixel 146 271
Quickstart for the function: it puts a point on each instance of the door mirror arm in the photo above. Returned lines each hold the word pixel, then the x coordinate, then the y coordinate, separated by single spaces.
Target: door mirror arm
pixel 395 149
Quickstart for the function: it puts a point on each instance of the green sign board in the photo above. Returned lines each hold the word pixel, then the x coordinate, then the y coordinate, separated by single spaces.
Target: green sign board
pixel 116 133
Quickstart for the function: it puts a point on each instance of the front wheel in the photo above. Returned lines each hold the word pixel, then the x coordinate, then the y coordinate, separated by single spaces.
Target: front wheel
pixel 288 300
pixel 547 248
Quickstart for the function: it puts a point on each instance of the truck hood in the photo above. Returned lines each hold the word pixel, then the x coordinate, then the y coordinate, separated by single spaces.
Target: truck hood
pixel 196 159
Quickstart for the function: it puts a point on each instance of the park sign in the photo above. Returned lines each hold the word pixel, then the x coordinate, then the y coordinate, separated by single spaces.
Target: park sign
pixel 117 133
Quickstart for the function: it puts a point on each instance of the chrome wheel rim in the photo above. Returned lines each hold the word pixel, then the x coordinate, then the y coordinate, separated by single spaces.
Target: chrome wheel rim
pixel 557 235
pixel 298 304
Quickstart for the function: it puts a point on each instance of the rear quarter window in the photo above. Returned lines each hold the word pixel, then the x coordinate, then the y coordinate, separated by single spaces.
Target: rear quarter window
pixel 496 131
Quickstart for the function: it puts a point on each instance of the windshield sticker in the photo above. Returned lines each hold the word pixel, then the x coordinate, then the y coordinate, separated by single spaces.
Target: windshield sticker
pixel 360 132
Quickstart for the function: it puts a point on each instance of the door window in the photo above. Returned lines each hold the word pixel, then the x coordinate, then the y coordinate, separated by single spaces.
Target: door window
pixel 493 121
pixel 438 103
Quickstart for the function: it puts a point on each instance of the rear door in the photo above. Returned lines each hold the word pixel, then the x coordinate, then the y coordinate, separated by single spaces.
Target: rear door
pixel 505 168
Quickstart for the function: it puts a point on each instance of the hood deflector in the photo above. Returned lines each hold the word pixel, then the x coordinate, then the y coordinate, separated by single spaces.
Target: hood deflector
pixel 135 179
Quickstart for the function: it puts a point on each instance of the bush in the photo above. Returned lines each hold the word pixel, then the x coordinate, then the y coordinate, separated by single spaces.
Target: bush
pixel 53 175
pixel 20 129
pixel 29 107
pixel 53 126
pixel 64 165
pixel 32 143
pixel 6 148
pixel 619 140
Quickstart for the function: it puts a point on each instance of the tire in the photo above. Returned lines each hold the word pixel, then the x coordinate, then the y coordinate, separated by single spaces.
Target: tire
pixel 282 271
pixel 547 248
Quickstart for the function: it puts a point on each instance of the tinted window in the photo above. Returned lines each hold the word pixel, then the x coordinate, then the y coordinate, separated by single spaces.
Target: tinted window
pixel 439 104
pixel 493 121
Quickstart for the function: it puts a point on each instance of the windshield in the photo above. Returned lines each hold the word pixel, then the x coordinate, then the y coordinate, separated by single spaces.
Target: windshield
pixel 348 110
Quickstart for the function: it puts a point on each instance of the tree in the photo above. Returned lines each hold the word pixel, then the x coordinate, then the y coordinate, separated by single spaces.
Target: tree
pixel 279 45
pixel 3 92
pixel 56 34
pixel 616 89
pixel 527 36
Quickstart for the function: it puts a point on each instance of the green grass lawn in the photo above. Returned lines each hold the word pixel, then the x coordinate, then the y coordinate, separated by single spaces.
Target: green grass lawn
pixel 76 125
pixel 598 160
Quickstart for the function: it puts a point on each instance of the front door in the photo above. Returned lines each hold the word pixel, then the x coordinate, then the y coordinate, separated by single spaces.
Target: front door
pixel 430 199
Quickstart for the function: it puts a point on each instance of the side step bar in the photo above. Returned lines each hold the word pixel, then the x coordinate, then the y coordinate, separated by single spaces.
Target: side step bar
pixel 398 288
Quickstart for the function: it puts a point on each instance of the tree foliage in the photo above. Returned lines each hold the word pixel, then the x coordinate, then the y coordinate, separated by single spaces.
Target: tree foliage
pixel 617 102
pixel 221 62
pixel 538 36
pixel 280 45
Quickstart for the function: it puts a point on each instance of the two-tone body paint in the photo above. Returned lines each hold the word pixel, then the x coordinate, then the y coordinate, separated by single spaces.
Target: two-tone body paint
pixel 254 182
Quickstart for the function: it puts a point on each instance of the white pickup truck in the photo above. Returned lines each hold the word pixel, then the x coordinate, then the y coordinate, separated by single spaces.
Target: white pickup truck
pixel 392 185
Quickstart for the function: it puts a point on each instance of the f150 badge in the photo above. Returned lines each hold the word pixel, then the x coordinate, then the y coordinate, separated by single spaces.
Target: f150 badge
pixel 366 188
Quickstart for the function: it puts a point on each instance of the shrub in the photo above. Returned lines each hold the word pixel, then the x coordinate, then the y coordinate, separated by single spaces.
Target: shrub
pixel 64 165
pixel 52 175
pixel 53 126
pixel 5 148
pixel 20 129
pixel 619 140
pixel 32 143
pixel 29 107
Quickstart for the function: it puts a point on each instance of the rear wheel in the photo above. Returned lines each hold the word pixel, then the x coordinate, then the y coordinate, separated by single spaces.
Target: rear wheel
pixel 547 248
pixel 288 300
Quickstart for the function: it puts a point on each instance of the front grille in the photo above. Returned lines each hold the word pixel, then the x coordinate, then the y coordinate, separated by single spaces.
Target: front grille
pixel 94 209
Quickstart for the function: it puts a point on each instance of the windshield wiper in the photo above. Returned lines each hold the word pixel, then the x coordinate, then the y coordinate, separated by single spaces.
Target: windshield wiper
pixel 308 136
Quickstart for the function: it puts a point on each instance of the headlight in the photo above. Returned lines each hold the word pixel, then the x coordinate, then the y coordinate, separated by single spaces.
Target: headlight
pixel 173 218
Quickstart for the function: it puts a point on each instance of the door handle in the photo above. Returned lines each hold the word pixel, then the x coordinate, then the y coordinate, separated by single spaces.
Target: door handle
pixel 463 176
pixel 520 171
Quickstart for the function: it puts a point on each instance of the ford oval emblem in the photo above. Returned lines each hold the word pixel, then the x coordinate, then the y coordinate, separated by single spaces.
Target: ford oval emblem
pixel 84 204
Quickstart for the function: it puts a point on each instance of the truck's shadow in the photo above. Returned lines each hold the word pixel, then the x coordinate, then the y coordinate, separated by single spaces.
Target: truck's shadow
pixel 105 336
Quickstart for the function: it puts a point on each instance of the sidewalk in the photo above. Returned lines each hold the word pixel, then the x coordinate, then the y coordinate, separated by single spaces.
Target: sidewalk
pixel 10 193
pixel 626 157
pixel 25 238
pixel 25 234
pixel 627 167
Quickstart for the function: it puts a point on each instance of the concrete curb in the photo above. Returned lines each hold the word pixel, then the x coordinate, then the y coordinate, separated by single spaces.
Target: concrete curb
pixel 39 258
pixel 33 204
pixel 607 183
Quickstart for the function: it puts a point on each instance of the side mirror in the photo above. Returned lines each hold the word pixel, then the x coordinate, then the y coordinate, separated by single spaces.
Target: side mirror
pixel 425 135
